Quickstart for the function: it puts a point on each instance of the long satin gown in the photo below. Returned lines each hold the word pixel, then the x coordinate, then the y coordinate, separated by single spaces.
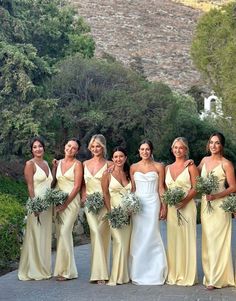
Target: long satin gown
pixel 181 239
pixel 120 238
pixel 216 239
pixel 65 262
pixel 147 254
pixel 35 261
pixel 99 229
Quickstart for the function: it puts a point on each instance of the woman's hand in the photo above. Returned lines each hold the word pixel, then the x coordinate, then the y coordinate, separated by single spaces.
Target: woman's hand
pixel 163 212
pixel 210 197
pixel 60 208
pixel 188 162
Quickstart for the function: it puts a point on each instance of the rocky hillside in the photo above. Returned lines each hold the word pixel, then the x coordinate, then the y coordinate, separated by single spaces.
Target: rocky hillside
pixel 154 36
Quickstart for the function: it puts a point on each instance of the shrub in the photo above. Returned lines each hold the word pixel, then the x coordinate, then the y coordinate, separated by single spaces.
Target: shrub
pixel 13 187
pixel 11 229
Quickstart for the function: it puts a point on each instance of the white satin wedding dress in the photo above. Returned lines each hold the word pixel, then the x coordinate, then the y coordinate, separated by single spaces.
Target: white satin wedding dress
pixel 148 264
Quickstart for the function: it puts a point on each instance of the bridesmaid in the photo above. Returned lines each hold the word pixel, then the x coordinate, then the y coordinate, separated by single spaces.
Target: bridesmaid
pixel 35 261
pixel 114 184
pixel 69 174
pixel 181 239
pixel 216 226
pixel 99 228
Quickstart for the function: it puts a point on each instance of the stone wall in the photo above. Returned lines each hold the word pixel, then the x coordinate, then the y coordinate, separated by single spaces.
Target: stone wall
pixel 152 35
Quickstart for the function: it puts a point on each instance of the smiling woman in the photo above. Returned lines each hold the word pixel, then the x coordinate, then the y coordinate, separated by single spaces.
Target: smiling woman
pixel 35 261
pixel 69 173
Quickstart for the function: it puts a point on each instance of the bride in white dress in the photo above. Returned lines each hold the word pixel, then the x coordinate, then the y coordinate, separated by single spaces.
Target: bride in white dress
pixel 148 264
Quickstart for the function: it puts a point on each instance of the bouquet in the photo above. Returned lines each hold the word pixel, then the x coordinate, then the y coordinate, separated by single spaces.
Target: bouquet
pixel 131 203
pixel 172 196
pixel 56 197
pixel 207 185
pixel 118 217
pixel 37 205
pixel 229 204
pixel 94 202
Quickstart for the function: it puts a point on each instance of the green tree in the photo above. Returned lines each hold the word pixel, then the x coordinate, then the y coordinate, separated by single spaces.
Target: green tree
pixel 214 53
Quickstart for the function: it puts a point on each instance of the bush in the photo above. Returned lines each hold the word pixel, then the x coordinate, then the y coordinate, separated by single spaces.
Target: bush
pixel 13 187
pixel 11 229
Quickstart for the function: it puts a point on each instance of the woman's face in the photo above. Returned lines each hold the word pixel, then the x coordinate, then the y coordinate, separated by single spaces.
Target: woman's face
pixel 215 146
pixel 179 150
pixel 96 149
pixel 119 158
pixel 145 151
pixel 37 149
pixel 71 148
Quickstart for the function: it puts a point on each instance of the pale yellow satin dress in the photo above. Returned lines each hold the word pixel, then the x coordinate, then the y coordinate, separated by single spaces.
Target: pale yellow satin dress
pixel 99 229
pixel 120 238
pixel 35 261
pixel 181 239
pixel 216 238
pixel 65 262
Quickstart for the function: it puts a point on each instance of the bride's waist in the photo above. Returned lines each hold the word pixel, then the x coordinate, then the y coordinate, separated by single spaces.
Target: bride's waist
pixel 146 193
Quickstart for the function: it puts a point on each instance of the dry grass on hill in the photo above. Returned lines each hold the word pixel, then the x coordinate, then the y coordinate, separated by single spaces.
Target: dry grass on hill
pixel 203 5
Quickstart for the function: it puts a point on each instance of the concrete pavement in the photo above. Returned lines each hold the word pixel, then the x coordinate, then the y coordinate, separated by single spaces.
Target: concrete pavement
pixel 80 289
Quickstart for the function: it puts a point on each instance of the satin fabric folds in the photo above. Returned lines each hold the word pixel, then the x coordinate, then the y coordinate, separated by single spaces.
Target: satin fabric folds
pixel 147 254
pixel 65 262
pixel 181 239
pixel 99 229
pixel 35 261
pixel 216 239
pixel 120 238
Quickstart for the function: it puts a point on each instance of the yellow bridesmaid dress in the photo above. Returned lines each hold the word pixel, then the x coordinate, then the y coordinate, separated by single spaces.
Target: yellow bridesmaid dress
pixel 216 239
pixel 120 238
pixel 65 262
pixel 99 229
pixel 181 239
pixel 35 261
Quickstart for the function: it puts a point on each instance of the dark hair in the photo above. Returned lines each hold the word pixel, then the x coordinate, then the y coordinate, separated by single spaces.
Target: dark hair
pixel 126 165
pixel 148 142
pixel 34 139
pixel 221 137
pixel 75 140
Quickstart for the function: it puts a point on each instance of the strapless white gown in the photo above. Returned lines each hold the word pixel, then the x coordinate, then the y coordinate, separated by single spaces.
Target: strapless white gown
pixel 148 264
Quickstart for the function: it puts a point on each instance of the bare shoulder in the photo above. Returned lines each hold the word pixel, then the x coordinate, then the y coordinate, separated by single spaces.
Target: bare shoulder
pixel 78 163
pixel 159 166
pixel 134 167
pixel 110 163
pixel 227 163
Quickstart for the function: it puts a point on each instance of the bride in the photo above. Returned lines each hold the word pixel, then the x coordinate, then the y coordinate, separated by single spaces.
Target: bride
pixel 147 253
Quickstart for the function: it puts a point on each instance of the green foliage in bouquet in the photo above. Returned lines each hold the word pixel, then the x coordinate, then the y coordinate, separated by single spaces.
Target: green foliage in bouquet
pixel 131 203
pixel 118 217
pixel 229 204
pixel 207 185
pixel 37 205
pixel 94 202
pixel 172 196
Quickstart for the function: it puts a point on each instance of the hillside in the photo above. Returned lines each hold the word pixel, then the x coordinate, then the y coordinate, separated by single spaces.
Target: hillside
pixel 154 36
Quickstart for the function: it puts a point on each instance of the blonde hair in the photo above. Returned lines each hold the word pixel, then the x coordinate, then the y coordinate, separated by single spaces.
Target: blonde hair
pixel 184 141
pixel 100 139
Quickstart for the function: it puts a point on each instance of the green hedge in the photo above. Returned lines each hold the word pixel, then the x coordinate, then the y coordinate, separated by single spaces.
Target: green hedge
pixel 14 187
pixel 11 229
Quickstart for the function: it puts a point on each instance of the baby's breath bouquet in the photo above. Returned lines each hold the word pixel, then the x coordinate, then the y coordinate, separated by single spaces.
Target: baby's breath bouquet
pixel 229 204
pixel 172 196
pixel 37 205
pixel 207 185
pixel 56 197
pixel 118 217
pixel 131 203
pixel 94 202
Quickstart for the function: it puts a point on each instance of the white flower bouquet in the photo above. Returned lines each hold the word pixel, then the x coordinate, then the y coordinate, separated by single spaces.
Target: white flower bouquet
pixel 173 196
pixel 229 204
pixel 56 197
pixel 94 202
pixel 118 217
pixel 37 205
pixel 131 203
pixel 207 185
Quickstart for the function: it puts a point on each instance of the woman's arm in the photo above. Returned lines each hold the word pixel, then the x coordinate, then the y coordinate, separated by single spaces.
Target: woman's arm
pixel 54 171
pixel 132 170
pixel 78 176
pixel 29 171
pixel 161 189
pixel 193 171
pixel 230 177
pixel 105 189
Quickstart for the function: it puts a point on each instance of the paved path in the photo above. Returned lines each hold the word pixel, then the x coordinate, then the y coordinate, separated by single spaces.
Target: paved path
pixel 80 289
